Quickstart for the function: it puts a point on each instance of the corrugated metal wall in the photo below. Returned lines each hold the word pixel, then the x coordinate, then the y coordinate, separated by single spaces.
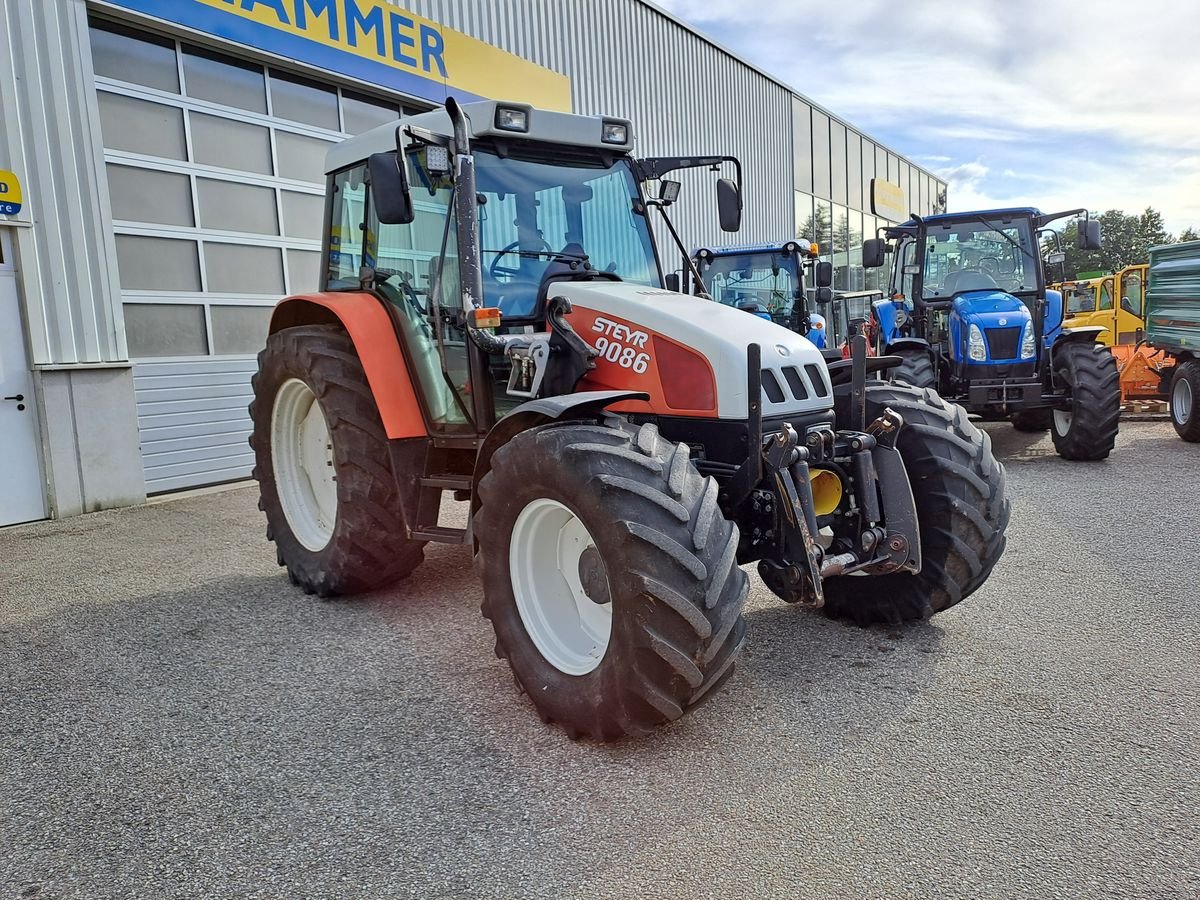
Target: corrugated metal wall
pixel 48 136
pixel 683 95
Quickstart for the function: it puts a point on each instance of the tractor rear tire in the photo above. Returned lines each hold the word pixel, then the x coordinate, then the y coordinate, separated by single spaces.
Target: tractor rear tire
pixel 361 543
pixel 1185 401
pixel 916 368
pixel 1031 419
pixel 962 511
pixel 656 551
pixel 1088 431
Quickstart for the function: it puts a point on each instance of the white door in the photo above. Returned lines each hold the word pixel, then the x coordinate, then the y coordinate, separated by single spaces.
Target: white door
pixel 22 495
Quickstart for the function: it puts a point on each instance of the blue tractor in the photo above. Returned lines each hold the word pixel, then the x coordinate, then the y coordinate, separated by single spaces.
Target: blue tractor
pixel 768 280
pixel 969 314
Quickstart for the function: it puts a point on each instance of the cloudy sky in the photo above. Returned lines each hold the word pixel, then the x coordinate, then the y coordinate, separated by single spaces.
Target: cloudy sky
pixel 1055 104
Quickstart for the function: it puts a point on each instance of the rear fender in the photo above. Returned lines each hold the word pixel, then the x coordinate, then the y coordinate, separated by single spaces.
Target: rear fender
pixel 365 319
pixel 582 405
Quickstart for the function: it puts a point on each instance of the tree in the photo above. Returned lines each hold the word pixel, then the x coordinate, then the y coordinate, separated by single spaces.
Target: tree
pixel 1127 240
pixel 1189 234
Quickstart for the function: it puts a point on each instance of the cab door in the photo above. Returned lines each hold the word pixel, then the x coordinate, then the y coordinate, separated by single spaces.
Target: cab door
pixel 1130 314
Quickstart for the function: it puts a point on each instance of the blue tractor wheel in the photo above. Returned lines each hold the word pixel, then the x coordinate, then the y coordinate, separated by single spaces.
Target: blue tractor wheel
pixel 916 368
pixel 1087 431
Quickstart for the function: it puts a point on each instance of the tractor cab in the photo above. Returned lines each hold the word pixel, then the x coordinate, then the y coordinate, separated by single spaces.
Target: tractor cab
pixel 970 313
pixel 777 282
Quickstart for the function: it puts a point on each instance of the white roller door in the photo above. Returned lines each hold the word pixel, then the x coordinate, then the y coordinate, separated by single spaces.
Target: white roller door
pixel 215 180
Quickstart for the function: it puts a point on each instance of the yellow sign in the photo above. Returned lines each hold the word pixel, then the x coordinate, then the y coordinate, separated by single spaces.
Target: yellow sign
pixel 377 41
pixel 10 193
pixel 887 200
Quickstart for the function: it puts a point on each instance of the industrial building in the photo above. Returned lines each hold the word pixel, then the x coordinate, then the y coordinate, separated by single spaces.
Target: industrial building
pixel 161 184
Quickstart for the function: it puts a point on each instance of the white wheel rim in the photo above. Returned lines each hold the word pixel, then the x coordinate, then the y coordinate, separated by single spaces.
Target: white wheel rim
pixel 1062 421
pixel 302 457
pixel 1181 401
pixel 569 629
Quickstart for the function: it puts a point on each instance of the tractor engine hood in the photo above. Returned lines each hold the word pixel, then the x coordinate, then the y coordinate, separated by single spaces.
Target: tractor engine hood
pixel 1001 319
pixel 689 353
pixel 991 309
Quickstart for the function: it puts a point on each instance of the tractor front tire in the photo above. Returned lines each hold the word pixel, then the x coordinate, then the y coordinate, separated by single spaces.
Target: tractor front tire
pixel 962 511
pixel 609 575
pixel 322 465
pixel 1032 420
pixel 1185 397
pixel 916 368
pixel 1088 430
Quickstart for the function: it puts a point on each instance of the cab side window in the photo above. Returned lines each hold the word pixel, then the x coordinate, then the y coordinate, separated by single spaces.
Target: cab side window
pixel 1106 294
pixel 349 199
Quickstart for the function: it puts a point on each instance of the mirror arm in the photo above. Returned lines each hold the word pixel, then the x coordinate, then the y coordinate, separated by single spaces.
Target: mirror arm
pixel 1043 221
pixel 653 167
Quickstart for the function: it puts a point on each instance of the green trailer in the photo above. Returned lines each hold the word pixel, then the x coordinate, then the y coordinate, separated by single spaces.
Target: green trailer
pixel 1173 326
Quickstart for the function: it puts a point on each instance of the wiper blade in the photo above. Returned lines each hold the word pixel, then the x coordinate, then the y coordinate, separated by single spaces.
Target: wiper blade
pixel 992 226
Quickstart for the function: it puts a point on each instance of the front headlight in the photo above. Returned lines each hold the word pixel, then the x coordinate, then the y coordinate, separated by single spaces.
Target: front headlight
pixel 1028 345
pixel 976 349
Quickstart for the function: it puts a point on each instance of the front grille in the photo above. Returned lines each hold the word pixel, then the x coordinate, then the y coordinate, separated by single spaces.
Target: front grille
pixel 790 384
pixel 1004 342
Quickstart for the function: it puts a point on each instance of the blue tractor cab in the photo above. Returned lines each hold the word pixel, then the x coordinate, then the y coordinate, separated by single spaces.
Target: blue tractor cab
pixel 772 281
pixel 969 313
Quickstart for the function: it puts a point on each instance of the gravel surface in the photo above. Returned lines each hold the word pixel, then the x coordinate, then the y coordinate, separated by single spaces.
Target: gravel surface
pixel 177 720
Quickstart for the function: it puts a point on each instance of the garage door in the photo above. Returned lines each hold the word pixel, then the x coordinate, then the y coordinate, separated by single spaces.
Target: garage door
pixel 215 181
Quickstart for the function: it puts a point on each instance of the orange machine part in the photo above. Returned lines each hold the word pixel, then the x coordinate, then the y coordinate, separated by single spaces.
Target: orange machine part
pixel 638 363
pixel 368 324
pixel 1139 368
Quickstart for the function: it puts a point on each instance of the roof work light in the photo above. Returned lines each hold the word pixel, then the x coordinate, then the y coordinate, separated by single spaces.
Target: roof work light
pixel 614 133
pixel 510 119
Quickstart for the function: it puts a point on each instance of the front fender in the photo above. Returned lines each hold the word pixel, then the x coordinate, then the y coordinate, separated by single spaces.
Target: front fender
pixel 1086 333
pixel 910 343
pixel 581 405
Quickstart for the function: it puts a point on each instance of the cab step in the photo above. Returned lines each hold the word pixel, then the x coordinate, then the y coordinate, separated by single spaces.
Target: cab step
pixel 440 534
pixel 447 482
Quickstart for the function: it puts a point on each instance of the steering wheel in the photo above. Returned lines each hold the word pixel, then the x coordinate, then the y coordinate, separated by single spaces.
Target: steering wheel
pixel 496 269
pixel 989 265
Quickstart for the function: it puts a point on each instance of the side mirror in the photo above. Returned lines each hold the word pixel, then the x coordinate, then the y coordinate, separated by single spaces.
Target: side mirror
pixel 1057 257
pixel 729 205
pixel 668 191
pixel 1088 237
pixel 872 253
pixel 823 274
pixel 672 282
pixel 390 197
pixel 824 296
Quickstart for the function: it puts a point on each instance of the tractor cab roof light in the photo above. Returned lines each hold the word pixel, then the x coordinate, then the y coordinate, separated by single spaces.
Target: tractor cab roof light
pixel 614 132
pixel 511 118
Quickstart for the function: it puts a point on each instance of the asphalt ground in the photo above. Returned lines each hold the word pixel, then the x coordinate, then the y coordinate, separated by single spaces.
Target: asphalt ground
pixel 176 720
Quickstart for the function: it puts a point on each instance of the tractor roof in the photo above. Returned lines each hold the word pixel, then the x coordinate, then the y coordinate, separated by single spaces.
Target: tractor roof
pixel 746 249
pixel 940 218
pixel 544 126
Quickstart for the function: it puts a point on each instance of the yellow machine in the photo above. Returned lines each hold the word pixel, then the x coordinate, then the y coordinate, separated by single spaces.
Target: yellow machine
pixel 1113 302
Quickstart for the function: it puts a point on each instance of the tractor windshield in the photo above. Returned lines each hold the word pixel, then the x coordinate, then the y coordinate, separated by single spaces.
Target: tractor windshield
pixel 979 255
pixel 536 208
pixel 761 282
